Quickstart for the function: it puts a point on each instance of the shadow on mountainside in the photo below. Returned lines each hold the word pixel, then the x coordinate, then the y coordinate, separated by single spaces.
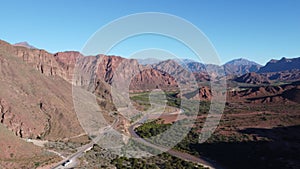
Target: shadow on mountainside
pixel 280 151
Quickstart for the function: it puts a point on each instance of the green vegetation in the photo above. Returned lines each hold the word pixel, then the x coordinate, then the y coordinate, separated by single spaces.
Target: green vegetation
pixel 163 161
pixel 152 129
pixel 253 134
pixel 238 138
pixel 37 164
pixel 143 98
pixel 125 163
pixel 189 106
pixel 101 158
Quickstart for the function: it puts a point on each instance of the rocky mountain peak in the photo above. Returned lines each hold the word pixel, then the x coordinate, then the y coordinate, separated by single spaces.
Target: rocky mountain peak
pixel 284 64
pixel 25 44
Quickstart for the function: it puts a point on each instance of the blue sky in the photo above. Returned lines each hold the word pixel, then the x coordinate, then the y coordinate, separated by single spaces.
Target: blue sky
pixel 254 29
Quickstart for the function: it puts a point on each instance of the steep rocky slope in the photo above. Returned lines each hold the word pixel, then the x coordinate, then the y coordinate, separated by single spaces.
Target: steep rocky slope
pixel 240 66
pixel 261 94
pixel 174 68
pixel 268 78
pixel 267 94
pixel 32 104
pixel 203 94
pixel 252 78
pixel 183 73
pixel 284 64
pixel 186 69
pixel 36 95
pixel 233 67
pixel 16 153
pixel 292 94
pixel 148 79
pixel 195 66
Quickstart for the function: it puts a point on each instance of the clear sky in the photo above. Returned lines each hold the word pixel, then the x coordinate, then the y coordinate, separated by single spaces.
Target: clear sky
pixel 254 29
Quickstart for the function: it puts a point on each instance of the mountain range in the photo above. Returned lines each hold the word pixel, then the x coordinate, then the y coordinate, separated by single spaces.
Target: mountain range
pixel 240 70
pixel 30 73
pixel 238 66
pixel 36 99
pixel 281 65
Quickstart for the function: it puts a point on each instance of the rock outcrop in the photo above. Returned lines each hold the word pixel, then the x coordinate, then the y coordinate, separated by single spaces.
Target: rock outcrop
pixel 25 44
pixel 35 101
pixel 284 64
pixel 267 94
pixel 268 78
pixel 252 78
pixel 33 77
pixel 202 94
pixel 240 66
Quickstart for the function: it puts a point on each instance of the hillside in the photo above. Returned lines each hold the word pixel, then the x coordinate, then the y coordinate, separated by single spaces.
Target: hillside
pixel 284 64
pixel 286 93
pixel 252 78
pixel 37 96
pixel 16 153
pixel 33 104
pixel 234 67
pixel 268 78
pixel 36 99
pixel 240 66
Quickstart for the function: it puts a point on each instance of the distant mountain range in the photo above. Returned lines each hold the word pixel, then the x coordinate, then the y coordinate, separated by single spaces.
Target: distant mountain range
pixel 240 70
pixel 148 61
pixel 233 67
pixel 281 65
pixel 36 77
pixel 25 44
pixel 241 66
pixel 275 70
pixel 41 93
